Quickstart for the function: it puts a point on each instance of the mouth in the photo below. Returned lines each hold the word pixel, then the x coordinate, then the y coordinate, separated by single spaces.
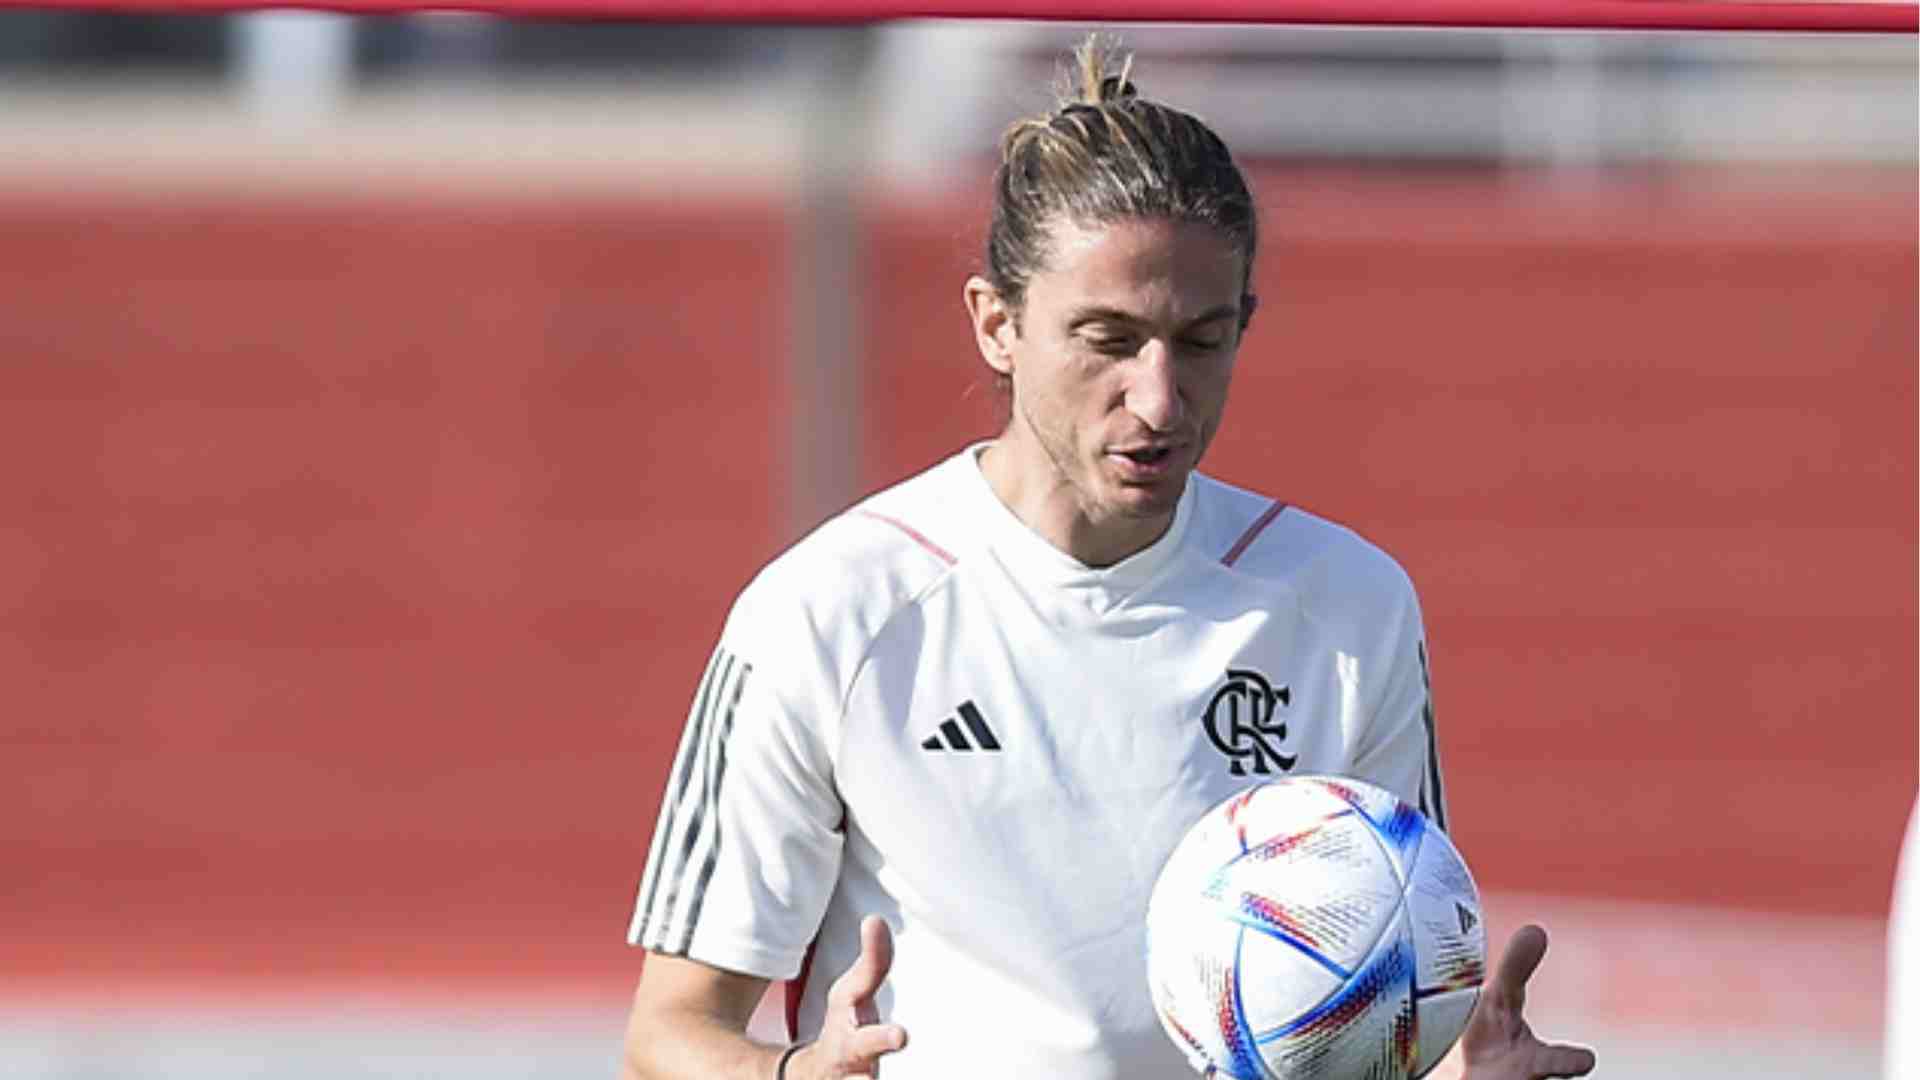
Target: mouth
pixel 1146 462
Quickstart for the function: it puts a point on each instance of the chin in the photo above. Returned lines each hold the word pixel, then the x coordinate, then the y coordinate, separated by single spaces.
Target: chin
pixel 1150 502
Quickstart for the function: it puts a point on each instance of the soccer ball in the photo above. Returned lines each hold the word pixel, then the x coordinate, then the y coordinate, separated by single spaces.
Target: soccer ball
pixel 1315 928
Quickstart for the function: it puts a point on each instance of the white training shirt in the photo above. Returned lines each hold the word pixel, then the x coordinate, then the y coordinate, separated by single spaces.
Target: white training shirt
pixel 925 711
pixel 1902 1060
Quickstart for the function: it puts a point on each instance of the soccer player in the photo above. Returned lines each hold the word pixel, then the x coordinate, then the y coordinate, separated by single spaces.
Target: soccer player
pixel 946 741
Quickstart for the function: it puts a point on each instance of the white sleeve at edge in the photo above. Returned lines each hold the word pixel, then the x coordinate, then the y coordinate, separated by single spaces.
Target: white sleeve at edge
pixel 1903 960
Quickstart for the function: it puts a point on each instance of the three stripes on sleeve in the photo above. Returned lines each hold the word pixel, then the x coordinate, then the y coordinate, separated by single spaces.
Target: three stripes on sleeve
pixel 687 837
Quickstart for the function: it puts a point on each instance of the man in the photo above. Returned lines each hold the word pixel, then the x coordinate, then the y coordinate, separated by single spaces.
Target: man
pixel 980 708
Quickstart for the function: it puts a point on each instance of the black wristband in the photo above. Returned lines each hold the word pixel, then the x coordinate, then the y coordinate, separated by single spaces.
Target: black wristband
pixel 780 1071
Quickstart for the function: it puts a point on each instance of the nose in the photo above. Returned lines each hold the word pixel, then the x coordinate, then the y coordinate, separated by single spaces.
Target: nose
pixel 1153 390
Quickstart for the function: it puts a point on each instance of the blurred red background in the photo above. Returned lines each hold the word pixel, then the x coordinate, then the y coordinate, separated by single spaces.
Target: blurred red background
pixel 360 555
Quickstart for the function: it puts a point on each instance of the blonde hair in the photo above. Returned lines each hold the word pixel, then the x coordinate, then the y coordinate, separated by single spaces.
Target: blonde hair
pixel 1106 155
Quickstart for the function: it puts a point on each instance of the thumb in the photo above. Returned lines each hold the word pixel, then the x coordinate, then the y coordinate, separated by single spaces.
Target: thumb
pixel 856 988
pixel 1524 952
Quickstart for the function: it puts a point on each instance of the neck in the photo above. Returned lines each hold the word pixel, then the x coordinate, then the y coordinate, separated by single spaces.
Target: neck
pixel 1040 494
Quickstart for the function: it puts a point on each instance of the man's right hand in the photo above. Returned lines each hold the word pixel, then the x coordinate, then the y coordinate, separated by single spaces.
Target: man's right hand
pixel 852 1037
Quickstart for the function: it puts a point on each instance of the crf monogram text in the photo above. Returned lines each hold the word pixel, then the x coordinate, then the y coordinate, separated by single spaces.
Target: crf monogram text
pixel 1240 721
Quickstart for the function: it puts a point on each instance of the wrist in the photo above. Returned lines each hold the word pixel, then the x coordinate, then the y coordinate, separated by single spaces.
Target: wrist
pixel 786 1058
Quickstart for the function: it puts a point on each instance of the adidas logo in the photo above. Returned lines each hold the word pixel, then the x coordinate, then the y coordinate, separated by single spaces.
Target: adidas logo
pixel 1467 918
pixel 951 737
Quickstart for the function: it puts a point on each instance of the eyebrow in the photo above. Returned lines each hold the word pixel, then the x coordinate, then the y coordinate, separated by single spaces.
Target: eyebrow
pixel 1082 316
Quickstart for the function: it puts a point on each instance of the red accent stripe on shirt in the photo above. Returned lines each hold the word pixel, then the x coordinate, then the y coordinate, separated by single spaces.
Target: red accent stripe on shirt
pixel 796 989
pixel 1246 538
pixel 939 552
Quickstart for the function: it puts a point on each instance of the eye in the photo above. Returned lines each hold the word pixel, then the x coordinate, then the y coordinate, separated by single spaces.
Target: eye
pixel 1203 344
pixel 1111 344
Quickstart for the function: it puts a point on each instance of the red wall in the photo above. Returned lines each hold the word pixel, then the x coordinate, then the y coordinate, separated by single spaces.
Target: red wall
pixel 357 558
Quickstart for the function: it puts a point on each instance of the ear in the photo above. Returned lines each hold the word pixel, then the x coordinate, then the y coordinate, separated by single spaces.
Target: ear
pixel 993 328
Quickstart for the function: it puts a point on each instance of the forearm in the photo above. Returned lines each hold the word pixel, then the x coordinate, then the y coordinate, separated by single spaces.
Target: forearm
pixel 686 1045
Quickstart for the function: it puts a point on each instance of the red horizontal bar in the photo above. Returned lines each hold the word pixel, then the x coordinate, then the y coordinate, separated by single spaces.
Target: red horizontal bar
pixel 1803 16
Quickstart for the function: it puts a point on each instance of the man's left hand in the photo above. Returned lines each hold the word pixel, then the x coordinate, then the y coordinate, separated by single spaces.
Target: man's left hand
pixel 1498 1044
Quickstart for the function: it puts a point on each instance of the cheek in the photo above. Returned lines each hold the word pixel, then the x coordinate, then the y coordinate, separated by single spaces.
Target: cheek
pixel 1070 387
pixel 1226 380
pixel 1208 390
pixel 1050 398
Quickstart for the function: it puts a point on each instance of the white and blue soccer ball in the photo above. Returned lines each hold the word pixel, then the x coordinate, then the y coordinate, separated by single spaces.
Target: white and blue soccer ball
pixel 1315 928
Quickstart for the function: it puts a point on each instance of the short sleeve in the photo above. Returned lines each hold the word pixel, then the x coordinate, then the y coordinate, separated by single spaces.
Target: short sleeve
pixel 747 846
pixel 1400 750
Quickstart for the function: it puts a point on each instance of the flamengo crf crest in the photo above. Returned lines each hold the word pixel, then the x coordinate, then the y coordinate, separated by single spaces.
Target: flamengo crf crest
pixel 1240 721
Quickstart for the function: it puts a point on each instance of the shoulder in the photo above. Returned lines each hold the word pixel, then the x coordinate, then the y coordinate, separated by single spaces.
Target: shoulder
pixel 1267 538
pixel 839 585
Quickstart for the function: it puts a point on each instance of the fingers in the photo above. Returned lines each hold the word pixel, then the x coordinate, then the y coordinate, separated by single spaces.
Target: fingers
pixel 1507 995
pixel 871 1041
pixel 1562 1061
pixel 856 987
pixel 853 1039
pixel 852 1054
pixel 1524 952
